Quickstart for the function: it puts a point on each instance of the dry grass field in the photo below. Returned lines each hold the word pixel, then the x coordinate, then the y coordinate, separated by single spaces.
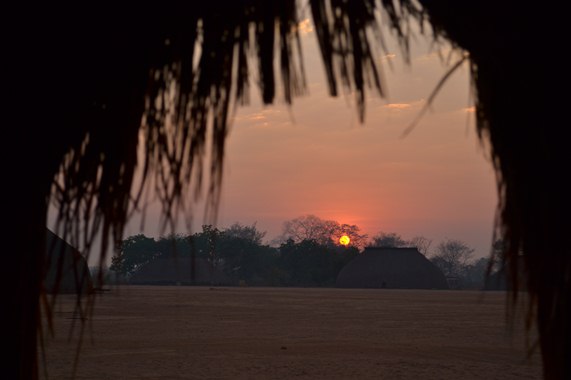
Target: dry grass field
pixel 148 332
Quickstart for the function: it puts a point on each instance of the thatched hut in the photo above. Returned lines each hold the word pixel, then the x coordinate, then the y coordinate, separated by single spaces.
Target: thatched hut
pixel 66 268
pixel 179 271
pixel 394 268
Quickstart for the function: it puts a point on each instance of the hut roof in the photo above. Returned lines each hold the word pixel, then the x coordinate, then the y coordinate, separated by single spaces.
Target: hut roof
pixel 178 270
pixel 396 268
pixel 66 268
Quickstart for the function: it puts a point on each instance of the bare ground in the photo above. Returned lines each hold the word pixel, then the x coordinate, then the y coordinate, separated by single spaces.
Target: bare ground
pixel 146 332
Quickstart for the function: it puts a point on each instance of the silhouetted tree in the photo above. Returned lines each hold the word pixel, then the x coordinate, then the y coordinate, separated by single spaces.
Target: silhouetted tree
pixel 475 273
pixel 238 250
pixel 323 232
pixel 452 256
pixel 422 244
pixel 173 245
pixel 309 227
pixel 244 256
pixel 389 240
pixel 134 252
pixel 358 239
pixel 308 263
pixel 250 233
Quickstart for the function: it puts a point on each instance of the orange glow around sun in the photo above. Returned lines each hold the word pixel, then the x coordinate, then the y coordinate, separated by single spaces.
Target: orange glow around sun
pixel 344 240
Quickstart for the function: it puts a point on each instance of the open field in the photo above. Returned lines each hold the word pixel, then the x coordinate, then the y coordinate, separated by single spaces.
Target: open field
pixel 148 332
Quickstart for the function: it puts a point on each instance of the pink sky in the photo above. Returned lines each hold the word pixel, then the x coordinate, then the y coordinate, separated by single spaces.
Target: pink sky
pixel 315 158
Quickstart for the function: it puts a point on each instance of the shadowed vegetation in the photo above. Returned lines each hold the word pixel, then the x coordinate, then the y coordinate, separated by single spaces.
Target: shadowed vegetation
pixel 106 83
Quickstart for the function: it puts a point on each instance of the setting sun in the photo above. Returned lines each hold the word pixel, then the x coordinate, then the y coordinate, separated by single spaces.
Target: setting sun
pixel 344 240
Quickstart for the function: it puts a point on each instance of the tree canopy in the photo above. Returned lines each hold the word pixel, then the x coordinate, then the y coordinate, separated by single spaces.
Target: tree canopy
pixel 324 232
pixel 243 257
pixel 389 240
pixel 452 256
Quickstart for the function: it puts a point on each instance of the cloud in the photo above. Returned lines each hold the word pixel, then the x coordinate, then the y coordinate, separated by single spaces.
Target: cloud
pixel 388 57
pixel 413 106
pixel 305 27
pixel 398 106
pixel 257 115
pixel 252 117
pixel 442 53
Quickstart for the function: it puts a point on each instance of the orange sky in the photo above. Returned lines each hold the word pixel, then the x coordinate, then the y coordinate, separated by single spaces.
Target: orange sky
pixel 315 157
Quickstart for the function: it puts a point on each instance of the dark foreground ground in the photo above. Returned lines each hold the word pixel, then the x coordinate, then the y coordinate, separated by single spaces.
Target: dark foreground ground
pixel 146 332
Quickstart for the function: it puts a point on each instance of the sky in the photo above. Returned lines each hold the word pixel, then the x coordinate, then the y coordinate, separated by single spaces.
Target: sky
pixel 315 157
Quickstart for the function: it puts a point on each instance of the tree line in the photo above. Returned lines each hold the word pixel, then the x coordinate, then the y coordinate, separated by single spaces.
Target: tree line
pixel 307 253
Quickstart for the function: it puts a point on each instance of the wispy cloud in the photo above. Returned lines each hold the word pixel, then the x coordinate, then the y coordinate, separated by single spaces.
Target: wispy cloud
pixel 388 57
pixel 305 27
pixel 262 115
pixel 398 106
pixel 257 117
pixel 266 117
pixel 413 106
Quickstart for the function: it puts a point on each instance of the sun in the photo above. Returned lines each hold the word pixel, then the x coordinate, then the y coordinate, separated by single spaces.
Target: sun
pixel 344 240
